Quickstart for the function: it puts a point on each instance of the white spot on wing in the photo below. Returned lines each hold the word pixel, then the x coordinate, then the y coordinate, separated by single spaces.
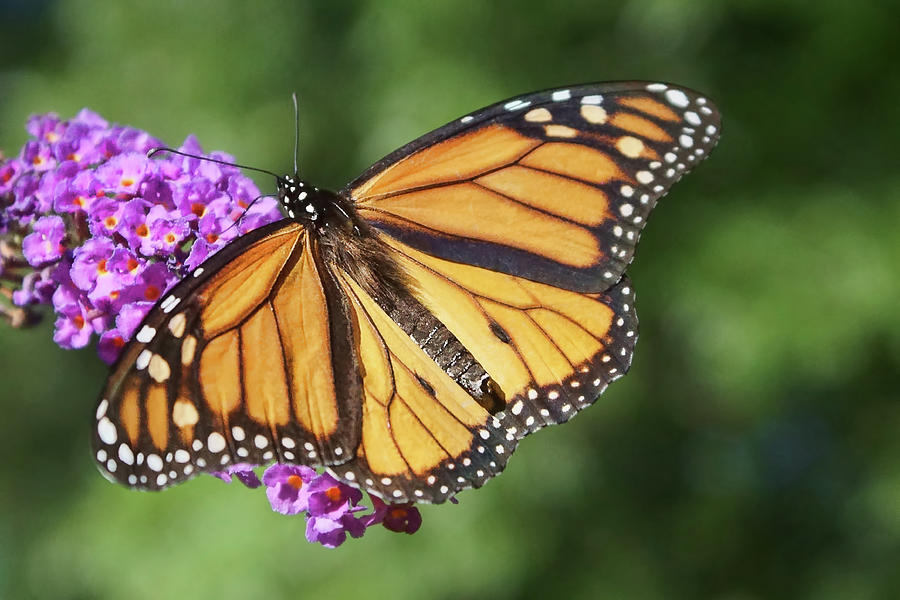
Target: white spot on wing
pixel 143 359
pixel 169 303
pixel 126 455
pixel 154 462
pixel 516 105
pixel 215 442
pixel 145 335
pixel 644 177
pixel 692 117
pixel 107 431
pixel 677 98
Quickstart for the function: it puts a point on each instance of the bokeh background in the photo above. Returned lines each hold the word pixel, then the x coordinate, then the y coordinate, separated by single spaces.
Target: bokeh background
pixel 753 451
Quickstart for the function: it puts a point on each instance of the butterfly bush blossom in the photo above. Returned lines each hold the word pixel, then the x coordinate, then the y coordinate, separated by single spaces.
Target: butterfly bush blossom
pixel 93 227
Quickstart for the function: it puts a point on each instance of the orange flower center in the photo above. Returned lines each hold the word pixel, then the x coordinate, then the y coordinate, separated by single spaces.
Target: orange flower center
pixel 127 182
pixel 398 512
pixel 110 222
pixel 198 209
pixel 170 238
pixel 142 230
pixel 79 321
pixel 152 292
pixel 295 482
pixel 101 267
pixel 212 238
pixel 132 264
pixel 333 493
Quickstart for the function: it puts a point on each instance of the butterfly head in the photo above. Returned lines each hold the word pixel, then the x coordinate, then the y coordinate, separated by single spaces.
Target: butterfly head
pixel 317 209
pixel 300 200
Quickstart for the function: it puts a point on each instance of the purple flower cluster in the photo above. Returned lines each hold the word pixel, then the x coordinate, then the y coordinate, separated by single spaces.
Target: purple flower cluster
pixel 91 225
pixel 331 507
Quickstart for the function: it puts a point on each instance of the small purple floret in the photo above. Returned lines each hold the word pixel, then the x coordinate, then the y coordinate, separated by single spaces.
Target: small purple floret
pixel 332 532
pixel 243 472
pixel 44 244
pixel 287 487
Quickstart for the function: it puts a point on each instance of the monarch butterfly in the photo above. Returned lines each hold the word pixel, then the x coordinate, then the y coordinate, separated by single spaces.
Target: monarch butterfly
pixel 407 331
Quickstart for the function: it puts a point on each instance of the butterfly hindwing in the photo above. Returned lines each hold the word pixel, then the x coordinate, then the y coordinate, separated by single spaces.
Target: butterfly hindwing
pixel 249 359
pixel 554 186
pixel 423 436
pixel 551 351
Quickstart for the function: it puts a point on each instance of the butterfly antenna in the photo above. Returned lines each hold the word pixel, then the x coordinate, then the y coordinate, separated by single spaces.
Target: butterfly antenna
pixel 246 210
pixel 296 131
pixel 208 159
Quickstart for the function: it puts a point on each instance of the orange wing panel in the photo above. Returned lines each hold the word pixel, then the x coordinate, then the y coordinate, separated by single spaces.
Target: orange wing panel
pixel 455 159
pixel 563 347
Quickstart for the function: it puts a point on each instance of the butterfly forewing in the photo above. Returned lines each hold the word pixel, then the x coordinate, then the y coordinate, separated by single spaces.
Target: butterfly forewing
pixel 554 186
pixel 229 368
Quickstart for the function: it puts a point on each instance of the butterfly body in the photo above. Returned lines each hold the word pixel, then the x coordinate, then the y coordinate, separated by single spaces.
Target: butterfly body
pixel 345 241
pixel 407 331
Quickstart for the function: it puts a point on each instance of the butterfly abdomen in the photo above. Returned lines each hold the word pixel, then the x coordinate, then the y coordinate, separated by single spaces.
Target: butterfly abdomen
pixel 439 343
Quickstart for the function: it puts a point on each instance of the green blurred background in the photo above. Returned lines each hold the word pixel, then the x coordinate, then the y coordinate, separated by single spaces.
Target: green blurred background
pixel 753 451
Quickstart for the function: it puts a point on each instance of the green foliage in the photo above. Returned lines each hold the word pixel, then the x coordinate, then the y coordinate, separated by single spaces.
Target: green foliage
pixel 751 453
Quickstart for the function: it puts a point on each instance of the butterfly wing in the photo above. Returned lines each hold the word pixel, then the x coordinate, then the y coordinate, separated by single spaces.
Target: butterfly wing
pixel 423 436
pixel 550 350
pixel 516 224
pixel 243 361
pixel 554 186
